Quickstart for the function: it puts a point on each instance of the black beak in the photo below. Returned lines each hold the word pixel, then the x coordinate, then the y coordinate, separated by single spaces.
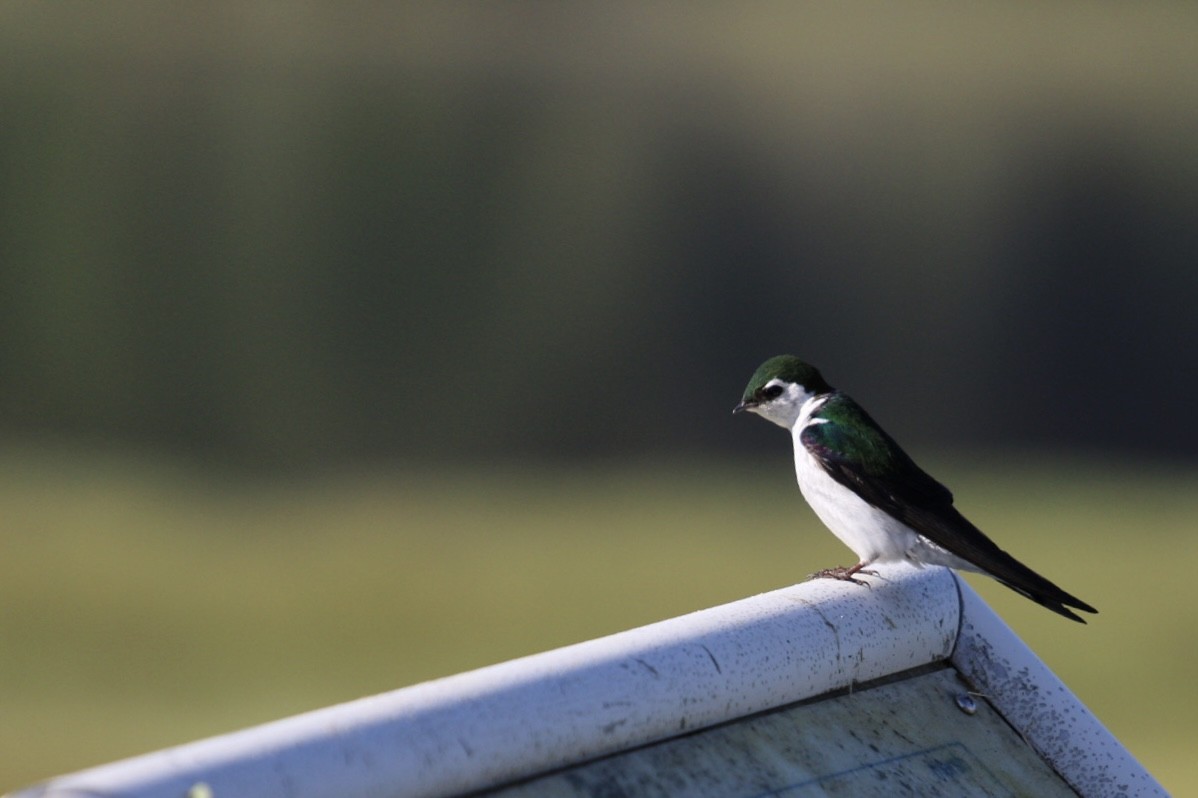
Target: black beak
pixel 747 404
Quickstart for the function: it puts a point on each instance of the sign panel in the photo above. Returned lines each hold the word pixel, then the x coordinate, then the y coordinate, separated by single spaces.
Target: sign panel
pixel 923 735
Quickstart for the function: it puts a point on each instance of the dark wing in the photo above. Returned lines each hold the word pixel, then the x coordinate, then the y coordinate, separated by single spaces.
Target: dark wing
pixel 858 454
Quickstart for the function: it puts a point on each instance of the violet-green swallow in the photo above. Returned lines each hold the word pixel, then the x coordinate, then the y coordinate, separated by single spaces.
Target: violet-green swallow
pixel 873 496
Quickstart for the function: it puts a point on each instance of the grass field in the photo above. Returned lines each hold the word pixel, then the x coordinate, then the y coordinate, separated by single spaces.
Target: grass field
pixel 145 604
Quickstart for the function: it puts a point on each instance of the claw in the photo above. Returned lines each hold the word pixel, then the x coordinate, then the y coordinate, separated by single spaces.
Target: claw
pixel 844 574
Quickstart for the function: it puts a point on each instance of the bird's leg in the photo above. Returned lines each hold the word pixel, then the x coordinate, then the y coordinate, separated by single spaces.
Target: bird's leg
pixel 845 574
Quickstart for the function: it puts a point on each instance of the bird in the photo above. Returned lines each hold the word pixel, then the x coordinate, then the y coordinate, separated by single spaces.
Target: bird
pixel 872 495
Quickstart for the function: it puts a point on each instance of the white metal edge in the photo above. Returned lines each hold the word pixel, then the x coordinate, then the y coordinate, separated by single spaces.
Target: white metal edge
pixel 1037 704
pixel 529 715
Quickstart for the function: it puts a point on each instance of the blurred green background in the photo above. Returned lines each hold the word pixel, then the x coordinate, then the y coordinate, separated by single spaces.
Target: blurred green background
pixel 344 346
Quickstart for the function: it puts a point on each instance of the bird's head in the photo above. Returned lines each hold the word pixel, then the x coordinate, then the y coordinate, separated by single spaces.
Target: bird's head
pixel 779 387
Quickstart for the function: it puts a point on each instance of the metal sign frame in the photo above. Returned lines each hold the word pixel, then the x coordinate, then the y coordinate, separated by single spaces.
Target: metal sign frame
pixel 507 722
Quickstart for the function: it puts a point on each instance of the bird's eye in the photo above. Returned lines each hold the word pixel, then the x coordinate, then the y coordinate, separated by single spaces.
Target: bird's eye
pixel 772 391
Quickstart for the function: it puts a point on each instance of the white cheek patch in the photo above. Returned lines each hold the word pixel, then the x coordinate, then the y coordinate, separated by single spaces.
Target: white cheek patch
pixel 798 394
pixel 783 409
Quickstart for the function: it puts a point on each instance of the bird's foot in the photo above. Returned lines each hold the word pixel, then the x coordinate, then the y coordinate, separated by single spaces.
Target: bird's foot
pixel 844 574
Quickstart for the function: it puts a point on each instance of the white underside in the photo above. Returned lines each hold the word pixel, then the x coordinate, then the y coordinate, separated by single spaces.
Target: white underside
pixel 873 535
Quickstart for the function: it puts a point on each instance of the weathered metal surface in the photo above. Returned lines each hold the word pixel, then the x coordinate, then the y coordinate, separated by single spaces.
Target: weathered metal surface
pixel 1047 714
